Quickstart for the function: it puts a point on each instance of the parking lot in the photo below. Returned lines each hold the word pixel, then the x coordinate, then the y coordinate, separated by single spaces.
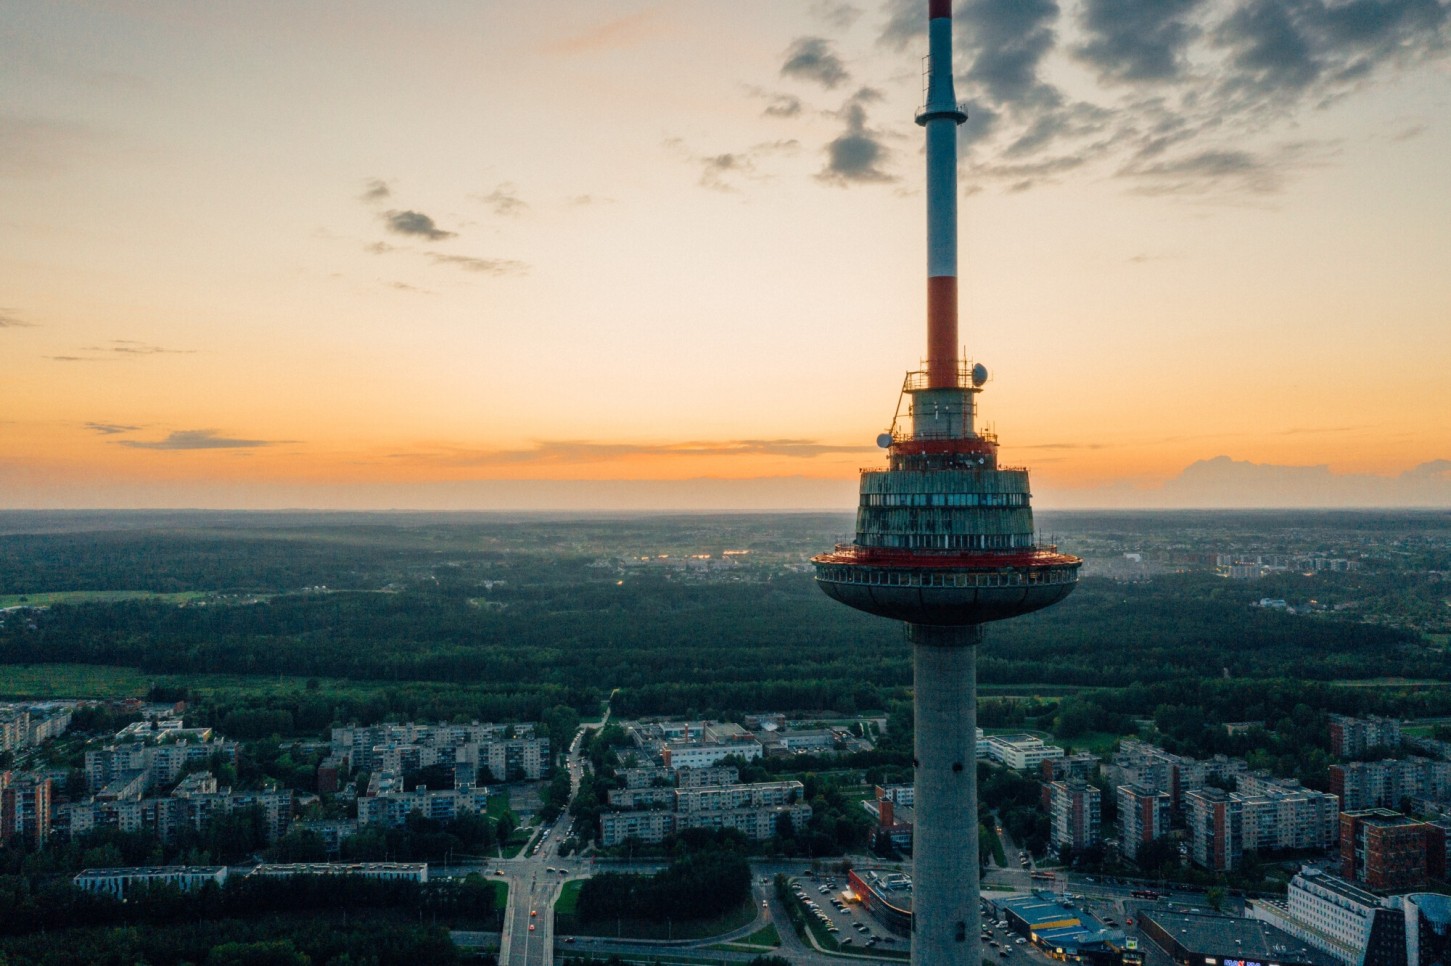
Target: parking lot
pixel 847 922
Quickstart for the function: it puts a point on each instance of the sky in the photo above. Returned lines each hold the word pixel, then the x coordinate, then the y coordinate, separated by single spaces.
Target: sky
pixel 496 254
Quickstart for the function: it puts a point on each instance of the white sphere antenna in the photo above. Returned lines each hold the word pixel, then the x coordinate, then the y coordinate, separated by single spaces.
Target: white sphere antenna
pixel 979 375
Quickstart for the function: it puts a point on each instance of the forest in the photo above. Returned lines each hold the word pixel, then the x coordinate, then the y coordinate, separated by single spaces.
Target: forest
pixel 533 614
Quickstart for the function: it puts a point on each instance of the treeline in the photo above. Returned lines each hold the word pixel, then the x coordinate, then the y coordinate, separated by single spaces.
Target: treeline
pixel 275 941
pixel 47 905
pixel 682 648
pixel 700 885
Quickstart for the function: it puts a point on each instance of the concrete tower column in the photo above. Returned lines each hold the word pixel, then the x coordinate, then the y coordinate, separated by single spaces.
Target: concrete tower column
pixel 945 914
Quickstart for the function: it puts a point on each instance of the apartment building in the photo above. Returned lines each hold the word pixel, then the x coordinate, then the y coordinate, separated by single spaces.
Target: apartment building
pixel 1075 809
pixel 1352 737
pixel 1143 816
pixel 1215 823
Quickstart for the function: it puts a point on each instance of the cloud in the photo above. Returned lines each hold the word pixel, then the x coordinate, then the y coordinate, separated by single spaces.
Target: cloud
pixel 1006 42
pixel 783 105
pixel 585 451
pixel 1225 170
pixel 192 439
pixel 724 171
pixel 905 27
pixel 505 200
pixel 615 34
pixel 375 189
pixel 484 266
pixel 415 223
pixel 1182 97
pixel 857 154
pixel 814 59
pixel 135 348
pixel 111 429
pixel 9 320
pixel 1223 481
pixel 74 359
pixel 835 13
pixel 1131 41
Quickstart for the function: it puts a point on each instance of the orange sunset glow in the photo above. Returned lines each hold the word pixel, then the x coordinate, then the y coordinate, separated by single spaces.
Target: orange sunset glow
pixel 659 256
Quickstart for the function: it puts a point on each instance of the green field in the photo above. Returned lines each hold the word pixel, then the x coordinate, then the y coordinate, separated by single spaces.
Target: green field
pixel 94 597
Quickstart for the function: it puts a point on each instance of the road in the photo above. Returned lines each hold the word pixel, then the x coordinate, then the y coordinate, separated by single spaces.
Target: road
pixel 536 877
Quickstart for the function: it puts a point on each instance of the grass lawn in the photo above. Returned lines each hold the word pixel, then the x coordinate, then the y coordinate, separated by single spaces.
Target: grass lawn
pixel 764 938
pixel 1096 742
pixel 71 681
pixel 568 900
pixel 498 804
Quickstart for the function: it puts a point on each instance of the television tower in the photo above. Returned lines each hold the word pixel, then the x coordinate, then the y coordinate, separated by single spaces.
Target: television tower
pixel 944 542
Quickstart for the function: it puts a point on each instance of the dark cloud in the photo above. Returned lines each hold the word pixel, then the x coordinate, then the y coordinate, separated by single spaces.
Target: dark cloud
pixel 1138 40
pixel 505 200
pixel 415 223
pixel 1005 42
pixel 783 105
pixel 857 154
pixel 379 248
pixel 375 189
pixel 718 170
pixel 1223 170
pixel 9 320
pixel 111 429
pixel 814 59
pixel 484 266
pixel 1283 51
pixel 191 439
pixel 905 26
pixel 584 451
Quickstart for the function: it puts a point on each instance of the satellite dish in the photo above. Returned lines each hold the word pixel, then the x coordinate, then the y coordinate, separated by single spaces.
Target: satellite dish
pixel 884 440
pixel 979 374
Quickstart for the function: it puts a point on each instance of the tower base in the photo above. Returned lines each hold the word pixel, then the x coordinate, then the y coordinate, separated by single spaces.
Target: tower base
pixel 945 915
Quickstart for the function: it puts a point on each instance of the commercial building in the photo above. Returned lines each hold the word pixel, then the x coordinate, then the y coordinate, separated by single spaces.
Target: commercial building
pixel 1143 816
pixel 1216 832
pixel 1325 911
pixel 118 883
pixel 700 755
pixel 1428 929
pixel 1020 751
pixel 1075 809
pixel 1204 939
pixel 1389 852
pixel 386 871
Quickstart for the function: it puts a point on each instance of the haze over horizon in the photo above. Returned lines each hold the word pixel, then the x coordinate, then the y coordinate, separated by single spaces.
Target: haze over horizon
pixel 671 256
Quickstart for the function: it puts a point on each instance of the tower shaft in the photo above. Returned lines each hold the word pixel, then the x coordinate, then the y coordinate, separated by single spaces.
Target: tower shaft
pixel 945 834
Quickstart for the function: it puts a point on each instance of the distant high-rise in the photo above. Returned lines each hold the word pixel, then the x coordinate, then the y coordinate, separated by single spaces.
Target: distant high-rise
pixel 945 542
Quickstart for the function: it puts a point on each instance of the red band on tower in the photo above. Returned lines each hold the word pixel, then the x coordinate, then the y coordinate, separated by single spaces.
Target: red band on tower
pixel 942 331
pixel 938 8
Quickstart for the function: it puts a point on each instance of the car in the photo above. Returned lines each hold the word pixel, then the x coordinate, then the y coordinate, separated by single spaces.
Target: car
pixel 533 913
pixel 498 872
pixel 569 939
pixel 847 941
pixel 765 903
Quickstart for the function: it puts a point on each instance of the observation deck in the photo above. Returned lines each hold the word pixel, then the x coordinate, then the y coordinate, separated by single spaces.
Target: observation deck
pixel 944 535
